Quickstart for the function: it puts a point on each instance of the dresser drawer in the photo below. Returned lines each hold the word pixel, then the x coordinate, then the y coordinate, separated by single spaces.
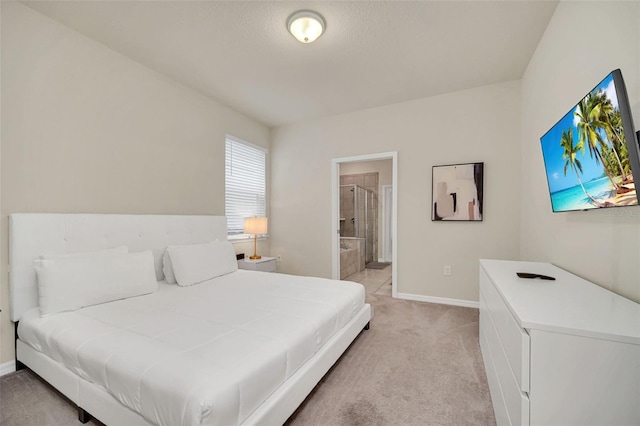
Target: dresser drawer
pixel 497 398
pixel 505 393
pixel 515 341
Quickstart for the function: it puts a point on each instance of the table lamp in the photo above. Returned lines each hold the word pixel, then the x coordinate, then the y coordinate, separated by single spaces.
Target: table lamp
pixel 255 225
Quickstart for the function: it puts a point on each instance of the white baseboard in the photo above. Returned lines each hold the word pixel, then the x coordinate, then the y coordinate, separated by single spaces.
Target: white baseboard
pixel 7 367
pixel 440 300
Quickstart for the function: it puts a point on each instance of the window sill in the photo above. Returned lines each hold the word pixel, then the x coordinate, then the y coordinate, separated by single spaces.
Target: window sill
pixel 235 239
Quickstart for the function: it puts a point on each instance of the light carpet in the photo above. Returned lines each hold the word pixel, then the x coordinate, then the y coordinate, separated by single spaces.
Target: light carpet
pixel 419 364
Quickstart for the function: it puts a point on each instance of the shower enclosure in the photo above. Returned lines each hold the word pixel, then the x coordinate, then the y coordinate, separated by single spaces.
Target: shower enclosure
pixel 358 218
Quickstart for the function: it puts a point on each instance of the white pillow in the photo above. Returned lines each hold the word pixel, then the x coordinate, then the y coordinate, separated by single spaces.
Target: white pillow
pixel 71 283
pixel 119 249
pixel 196 263
pixel 167 268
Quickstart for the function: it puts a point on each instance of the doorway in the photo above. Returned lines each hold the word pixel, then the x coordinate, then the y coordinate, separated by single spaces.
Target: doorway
pixel 356 186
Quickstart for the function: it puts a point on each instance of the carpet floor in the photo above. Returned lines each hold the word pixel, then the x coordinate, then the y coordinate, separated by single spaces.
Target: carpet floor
pixel 418 364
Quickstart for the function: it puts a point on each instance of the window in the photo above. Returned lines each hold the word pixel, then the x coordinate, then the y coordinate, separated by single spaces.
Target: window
pixel 244 184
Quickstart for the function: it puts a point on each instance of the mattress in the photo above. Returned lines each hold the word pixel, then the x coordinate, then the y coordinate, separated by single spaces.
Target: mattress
pixel 212 352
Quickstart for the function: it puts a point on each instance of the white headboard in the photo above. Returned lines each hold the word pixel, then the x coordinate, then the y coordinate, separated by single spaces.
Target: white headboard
pixel 33 234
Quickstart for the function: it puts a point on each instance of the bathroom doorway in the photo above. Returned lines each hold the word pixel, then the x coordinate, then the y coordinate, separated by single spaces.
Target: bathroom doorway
pixel 363 209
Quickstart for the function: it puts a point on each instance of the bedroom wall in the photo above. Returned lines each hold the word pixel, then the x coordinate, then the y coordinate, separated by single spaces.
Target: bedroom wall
pixel 480 124
pixel 85 129
pixel 601 246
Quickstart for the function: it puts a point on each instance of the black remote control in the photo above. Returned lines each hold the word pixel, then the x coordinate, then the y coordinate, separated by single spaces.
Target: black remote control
pixel 530 275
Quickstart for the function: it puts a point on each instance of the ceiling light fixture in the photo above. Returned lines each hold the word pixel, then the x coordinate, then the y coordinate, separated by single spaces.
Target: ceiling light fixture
pixel 306 25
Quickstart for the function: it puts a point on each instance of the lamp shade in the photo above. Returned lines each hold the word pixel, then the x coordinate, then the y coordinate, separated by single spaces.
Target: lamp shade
pixel 255 225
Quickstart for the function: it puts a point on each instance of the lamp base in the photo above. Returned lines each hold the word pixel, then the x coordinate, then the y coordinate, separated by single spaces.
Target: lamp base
pixel 255 257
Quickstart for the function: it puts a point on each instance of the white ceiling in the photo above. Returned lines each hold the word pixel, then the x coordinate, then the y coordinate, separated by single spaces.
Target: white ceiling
pixel 373 52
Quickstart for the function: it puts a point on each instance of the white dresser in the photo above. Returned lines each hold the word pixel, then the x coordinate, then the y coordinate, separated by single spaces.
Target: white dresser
pixel 563 352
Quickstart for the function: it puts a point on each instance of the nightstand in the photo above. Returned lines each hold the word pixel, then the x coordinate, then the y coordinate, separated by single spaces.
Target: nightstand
pixel 266 264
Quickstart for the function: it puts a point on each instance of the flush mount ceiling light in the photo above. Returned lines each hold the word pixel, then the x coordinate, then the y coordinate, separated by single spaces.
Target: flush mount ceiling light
pixel 306 25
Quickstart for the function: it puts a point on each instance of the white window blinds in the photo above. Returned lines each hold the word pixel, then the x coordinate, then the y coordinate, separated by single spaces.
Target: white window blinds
pixel 245 183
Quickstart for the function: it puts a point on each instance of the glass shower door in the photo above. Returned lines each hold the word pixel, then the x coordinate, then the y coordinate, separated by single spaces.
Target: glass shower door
pixel 361 222
pixel 372 227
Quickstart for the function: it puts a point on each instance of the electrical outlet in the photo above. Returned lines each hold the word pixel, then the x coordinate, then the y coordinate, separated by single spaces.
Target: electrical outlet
pixel 447 270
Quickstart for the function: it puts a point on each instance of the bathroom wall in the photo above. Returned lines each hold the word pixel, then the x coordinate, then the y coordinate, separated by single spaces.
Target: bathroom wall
pixel 347 209
pixel 384 169
pixel 361 211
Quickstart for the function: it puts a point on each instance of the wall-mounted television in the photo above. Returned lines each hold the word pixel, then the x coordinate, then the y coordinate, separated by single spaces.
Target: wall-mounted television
pixel 592 154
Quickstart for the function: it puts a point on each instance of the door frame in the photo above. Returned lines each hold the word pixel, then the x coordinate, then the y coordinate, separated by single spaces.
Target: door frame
pixel 335 211
pixel 386 225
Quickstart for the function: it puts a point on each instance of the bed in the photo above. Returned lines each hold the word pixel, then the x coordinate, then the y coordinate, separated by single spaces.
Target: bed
pixel 244 347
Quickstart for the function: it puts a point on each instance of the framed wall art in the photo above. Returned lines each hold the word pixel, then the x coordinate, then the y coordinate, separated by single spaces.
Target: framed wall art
pixel 457 192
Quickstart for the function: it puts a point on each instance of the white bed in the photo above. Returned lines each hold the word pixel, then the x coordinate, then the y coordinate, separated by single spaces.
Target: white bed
pixel 242 348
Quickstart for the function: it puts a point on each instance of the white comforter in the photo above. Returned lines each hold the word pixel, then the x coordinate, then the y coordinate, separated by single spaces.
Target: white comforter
pixel 210 352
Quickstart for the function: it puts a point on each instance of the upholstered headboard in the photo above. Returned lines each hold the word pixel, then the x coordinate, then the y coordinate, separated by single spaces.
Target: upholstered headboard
pixel 33 234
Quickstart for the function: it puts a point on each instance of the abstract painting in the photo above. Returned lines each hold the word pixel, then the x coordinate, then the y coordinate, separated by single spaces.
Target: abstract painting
pixel 457 192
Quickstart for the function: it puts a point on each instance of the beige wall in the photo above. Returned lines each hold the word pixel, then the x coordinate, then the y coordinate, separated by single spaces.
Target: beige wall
pixel 601 246
pixel 482 124
pixel 85 129
pixel 384 168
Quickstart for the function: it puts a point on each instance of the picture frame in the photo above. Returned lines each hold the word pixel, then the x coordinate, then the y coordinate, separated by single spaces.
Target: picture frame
pixel 457 192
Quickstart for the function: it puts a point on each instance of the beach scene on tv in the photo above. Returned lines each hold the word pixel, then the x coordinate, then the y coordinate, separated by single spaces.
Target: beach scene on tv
pixel 586 157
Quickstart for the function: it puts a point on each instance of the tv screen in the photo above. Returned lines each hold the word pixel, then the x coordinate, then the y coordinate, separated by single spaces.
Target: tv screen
pixel 591 155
